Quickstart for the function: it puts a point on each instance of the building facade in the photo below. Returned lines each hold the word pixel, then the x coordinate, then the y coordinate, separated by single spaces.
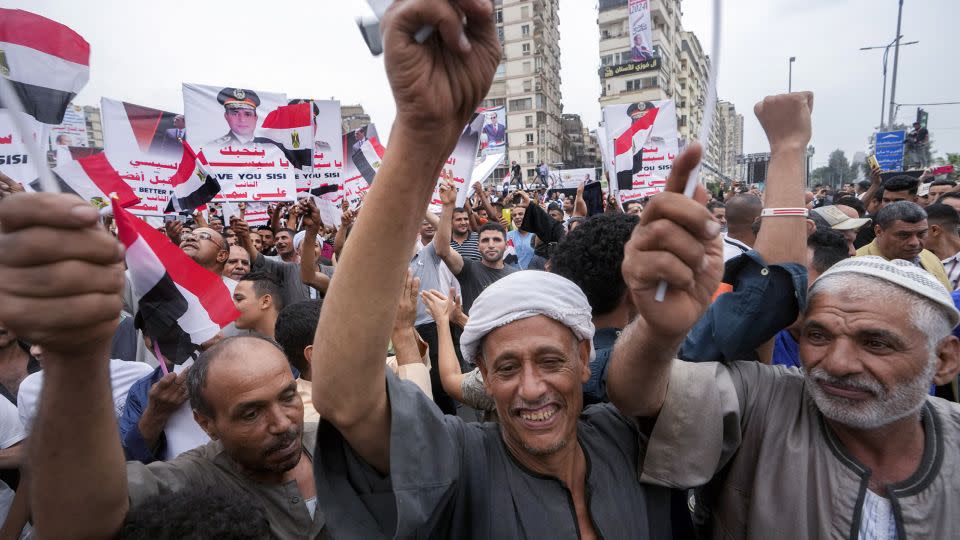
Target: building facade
pixel 94 126
pixel 353 117
pixel 680 73
pixel 527 83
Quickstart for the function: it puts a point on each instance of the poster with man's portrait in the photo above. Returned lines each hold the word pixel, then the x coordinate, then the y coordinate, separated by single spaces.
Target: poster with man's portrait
pixel 224 122
pixel 493 133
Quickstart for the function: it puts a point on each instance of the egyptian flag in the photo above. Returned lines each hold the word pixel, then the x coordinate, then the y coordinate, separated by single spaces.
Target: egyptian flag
pixel 628 148
pixel 290 128
pixel 368 156
pixel 94 180
pixel 46 62
pixel 180 304
pixel 193 185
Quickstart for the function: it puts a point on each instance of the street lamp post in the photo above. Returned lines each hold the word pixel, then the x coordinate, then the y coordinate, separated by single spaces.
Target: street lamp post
pixel 896 62
pixel 790 80
pixel 886 54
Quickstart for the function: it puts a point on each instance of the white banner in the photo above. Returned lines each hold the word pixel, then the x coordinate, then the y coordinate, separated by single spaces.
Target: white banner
pixel 571 178
pixel 644 143
pixel 459 166
pixel 15 162
pixel 142 144
pixel 223 123
pixel 641 42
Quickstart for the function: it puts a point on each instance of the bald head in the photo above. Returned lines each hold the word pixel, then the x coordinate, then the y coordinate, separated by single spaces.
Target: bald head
pixel 233 362
pixel 743 210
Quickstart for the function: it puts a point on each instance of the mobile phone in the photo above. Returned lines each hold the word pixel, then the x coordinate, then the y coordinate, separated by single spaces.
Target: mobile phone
pixel 872 162
pixel 168 218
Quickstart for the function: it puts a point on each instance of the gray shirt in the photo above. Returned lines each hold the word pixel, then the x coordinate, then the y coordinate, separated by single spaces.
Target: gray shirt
pixel 426 266
pixel 209 466
pixel 474 277
pixel 451 479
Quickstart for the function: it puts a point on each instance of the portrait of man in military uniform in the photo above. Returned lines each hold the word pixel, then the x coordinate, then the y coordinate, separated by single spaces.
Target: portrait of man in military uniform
pixel 240 112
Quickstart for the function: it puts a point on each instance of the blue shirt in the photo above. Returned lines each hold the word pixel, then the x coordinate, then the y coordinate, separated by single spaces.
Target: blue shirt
pixel 134 447
pixel 595 390
pixel 765 300
pixel 523 245
pixel 786 350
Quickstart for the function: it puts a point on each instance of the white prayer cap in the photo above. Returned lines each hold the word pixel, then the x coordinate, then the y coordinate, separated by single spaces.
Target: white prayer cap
pixel 903 274
pixel 298 239
pixel 522 295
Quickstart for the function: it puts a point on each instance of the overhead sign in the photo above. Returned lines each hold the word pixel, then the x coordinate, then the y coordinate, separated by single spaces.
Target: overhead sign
pixel 630 68
pixel 888 149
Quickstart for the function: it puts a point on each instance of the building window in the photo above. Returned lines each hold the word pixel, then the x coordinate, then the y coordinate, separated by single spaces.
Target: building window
pixel 529 139
pixel 606 60
pixel 495 102
pixel 500 34
pixel 527 85
pixel 524 104
pixel 642 84
pixel 525 30
pixel 499 15
pixel 501 70
pixel 524 12
pixel 528 120
pixel 529 157
pixel 527 67
pixel 526 49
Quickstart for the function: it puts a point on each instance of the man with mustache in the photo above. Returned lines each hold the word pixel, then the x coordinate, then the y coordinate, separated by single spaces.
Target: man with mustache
pixel 852 444
pixel 901 229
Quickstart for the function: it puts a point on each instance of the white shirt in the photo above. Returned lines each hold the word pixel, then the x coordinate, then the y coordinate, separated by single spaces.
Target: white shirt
pixel 733 248
pixel 11 432
pixel 877 522
pixel 182 430
pixel 122 376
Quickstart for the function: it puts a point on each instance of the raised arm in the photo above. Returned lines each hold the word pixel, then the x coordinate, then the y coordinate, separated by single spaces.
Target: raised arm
pixel 310 274
pixel 786 120
pixel 346 220
pixel 442 308
pixel 441 241
pixel 60 283
pixel 580 205
pixel 677 241
pixel 243 235
pixel 492 214
pixel 357 318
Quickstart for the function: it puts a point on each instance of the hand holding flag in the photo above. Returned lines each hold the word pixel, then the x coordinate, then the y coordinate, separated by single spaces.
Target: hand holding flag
pixel 60 275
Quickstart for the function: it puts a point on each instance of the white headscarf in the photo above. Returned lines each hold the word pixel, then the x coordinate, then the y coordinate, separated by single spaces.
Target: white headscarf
pixel 522 295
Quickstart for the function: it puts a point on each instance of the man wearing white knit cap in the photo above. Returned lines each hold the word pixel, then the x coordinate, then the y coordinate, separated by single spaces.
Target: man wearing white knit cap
pixel 850 446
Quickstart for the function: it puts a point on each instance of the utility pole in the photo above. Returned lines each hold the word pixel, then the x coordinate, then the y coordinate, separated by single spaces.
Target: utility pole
pixel 896 61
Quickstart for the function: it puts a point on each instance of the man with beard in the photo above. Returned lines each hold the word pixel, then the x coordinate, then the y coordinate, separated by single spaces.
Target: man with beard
pixel 267 240
pixel 473 276
pixel 285 248
pixel 242 391
pixel 854 430
pixel 464 241
pixel 901 230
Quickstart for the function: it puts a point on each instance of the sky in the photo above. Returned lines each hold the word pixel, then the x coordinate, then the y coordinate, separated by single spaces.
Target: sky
pixel 143 51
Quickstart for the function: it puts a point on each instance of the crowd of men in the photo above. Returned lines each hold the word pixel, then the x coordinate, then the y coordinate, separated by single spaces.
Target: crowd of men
pixel 504 369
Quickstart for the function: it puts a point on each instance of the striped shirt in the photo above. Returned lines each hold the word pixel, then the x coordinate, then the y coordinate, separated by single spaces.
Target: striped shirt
pixel 470 248
pixel 952 268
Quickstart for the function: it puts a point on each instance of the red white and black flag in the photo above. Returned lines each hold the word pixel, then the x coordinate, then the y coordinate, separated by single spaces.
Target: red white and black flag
pixel 193 185
pixel 628 146
pixel 290 127
pixel 180 304
pixel 363 153
pixel 46 62
pixel 93 179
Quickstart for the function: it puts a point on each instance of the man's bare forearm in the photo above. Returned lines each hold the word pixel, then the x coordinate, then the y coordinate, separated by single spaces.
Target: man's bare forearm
pixel 348 353
pixel 61 510
pixel 784 239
